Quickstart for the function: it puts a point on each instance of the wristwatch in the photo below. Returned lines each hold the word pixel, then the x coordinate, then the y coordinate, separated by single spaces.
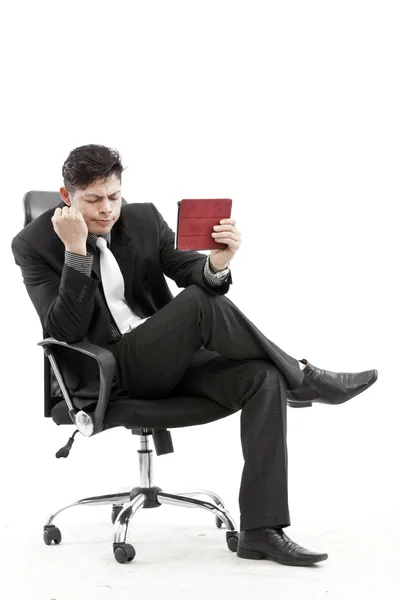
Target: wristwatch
pixel 220 274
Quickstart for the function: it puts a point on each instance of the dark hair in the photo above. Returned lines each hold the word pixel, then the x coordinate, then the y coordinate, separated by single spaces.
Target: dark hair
pixel 86 164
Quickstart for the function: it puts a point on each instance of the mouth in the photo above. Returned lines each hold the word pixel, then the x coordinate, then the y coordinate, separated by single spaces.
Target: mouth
pixel 103 222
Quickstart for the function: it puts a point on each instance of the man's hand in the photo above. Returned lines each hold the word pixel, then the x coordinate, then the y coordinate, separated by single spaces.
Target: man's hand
pixel 225 233
pixel 71 228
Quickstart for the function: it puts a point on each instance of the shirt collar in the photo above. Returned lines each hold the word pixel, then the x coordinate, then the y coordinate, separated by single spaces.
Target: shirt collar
pixel 92 239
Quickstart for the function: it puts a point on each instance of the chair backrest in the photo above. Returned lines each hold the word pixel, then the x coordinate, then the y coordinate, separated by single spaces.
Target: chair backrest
pixel 34 204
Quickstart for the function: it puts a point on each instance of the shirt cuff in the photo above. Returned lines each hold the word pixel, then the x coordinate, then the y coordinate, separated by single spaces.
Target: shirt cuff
pixel 214 278
pixel 80 263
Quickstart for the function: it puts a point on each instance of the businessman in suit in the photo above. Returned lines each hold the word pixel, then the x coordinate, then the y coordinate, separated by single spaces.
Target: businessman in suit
pixel 95 269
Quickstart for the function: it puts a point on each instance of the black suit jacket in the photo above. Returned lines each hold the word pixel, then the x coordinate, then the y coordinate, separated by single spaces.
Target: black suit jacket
pixel 72 306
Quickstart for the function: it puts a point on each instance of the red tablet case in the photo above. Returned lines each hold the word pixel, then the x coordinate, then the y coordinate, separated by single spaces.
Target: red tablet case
pixel 196 220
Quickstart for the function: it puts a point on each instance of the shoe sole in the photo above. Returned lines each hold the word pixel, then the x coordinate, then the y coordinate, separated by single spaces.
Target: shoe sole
pixel 257 555
pixel 306 403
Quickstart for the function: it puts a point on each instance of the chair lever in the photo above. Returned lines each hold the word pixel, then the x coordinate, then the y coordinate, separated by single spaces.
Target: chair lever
pixel 64 451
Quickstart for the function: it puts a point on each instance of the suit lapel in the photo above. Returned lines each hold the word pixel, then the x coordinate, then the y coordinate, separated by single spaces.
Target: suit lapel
pixel 96 264
pixel 124 250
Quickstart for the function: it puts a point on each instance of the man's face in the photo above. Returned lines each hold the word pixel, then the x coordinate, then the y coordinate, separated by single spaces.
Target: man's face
pixel 99 203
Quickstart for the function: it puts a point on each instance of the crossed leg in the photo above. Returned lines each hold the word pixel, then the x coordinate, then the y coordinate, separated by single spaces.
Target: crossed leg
pixel 152 358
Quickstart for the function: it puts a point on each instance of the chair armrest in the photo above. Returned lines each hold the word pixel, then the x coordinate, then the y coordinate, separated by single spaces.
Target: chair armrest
pixel 106 362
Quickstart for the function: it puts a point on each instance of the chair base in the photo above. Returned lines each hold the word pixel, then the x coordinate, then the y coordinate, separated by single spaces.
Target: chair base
pixel 127 504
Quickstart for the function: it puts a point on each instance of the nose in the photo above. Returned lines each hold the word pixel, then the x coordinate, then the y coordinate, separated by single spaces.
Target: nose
pixel 105 207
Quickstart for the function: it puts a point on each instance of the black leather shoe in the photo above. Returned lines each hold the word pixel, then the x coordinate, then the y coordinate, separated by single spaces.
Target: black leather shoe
pixel 329 387
pixel 274 544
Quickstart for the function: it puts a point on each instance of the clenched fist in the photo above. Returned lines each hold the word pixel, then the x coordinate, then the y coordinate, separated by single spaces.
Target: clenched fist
pixel 71 228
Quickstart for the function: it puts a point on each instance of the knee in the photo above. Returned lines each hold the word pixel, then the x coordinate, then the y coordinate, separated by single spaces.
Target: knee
pixel 192 298
pixel 199 293
pixel 272 375
pixel 194 290
pixel 275 376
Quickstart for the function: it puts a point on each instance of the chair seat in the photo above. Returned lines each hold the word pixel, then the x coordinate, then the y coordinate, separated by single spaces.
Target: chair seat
pixel 159 413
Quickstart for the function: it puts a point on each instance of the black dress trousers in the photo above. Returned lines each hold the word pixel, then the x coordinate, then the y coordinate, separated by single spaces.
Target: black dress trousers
pixel 201 344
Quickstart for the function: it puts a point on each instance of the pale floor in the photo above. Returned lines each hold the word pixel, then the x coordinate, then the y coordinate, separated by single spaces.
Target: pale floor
pixel 180 553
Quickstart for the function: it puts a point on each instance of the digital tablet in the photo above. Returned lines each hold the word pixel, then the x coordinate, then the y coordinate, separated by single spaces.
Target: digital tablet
pixel 195 222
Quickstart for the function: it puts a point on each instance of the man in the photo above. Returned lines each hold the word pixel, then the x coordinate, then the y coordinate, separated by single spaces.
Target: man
pixel 95 269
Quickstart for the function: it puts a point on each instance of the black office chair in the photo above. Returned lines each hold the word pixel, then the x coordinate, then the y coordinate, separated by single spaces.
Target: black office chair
pixel 143 417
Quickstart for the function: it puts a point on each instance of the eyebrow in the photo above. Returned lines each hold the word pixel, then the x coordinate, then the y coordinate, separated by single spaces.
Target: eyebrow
pixel 99 196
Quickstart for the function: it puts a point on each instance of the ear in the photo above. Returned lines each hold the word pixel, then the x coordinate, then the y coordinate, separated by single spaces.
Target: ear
pixel 65 195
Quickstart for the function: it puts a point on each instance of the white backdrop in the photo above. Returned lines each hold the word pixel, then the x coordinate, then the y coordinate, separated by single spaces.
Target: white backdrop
pixel 292 110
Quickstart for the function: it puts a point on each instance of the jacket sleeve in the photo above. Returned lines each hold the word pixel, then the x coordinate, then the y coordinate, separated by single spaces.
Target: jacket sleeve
pixel 64 304
pixel 185 267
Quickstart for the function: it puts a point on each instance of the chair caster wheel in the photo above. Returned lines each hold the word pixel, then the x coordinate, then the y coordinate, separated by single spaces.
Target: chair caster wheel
pixel 232 539
pixel 124 552
pixel 51 533
pixel 116 509
pixel 218 522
